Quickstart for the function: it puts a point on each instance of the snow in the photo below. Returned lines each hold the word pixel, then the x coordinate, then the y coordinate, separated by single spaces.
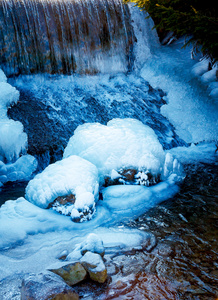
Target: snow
pixel 209 76
pixel 33 237
pixel 203 152
pixel 72 175
pixel 200 67
pixel 3 77
pixel 121 144
pixel 13 141
pixel 189 107
pixel 93 261
pixel 21 170
pixel 129 201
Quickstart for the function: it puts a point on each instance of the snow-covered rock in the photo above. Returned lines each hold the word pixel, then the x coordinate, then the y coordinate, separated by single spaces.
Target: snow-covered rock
pixel 72 175
pixel 95 266
pixel 121 145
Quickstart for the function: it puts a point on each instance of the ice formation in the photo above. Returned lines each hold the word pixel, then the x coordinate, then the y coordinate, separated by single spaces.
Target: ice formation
pixel 122 145
pixel 188 107
pixel 207 75
pixel 71 176
pixel 13 140
pixel 21 169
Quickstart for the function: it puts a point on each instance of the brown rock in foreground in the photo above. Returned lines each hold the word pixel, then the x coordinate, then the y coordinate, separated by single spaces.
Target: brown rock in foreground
pixel 95 266
pixel 46 287
pixel 71 273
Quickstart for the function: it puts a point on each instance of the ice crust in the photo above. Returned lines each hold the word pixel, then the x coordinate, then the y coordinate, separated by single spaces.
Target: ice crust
pixel 122 144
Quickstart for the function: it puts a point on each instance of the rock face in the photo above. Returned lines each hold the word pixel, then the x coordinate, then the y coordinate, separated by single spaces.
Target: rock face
pixel 71 273
pixel 46 287
pixel 94 264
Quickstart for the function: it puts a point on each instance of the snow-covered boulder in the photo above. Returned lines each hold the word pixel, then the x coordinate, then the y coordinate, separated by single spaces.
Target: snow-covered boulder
pixel 124 150
pixel 95 266
pixel 73 179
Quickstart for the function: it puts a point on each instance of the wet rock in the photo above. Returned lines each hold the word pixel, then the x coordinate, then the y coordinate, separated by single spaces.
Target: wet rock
pixel 165 249
pixel 71 273
pixel 62 255
pixel 46 287
pixel 63 200
pixel 131 176
pixel 95 266
pixel 150 242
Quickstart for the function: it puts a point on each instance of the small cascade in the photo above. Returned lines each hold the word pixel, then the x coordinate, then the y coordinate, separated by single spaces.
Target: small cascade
pixel 65 36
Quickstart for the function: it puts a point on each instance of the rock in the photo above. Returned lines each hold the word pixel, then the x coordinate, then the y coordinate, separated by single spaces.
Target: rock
pixel 46 287
pixel 71 273
pixel 63 255
pixel 131 176
pixel 63 200
pixel 95 266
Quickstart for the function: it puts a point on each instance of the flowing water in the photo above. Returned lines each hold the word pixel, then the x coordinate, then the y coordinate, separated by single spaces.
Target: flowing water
pixel 183 264
pixel 95 46
pixel 65 36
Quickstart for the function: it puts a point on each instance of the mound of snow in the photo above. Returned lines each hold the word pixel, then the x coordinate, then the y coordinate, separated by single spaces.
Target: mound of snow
pixel 71 176
pixel 122 144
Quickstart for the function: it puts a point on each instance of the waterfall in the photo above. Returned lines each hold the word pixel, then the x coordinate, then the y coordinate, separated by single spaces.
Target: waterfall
pixel 65 36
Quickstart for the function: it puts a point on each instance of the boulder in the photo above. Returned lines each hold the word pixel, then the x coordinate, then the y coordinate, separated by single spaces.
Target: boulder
pixel 95 266
pixel 46 287
pixel 72 273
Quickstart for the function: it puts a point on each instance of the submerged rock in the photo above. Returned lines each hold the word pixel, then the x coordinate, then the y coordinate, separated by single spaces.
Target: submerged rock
pixel 46 287
pixel 71 273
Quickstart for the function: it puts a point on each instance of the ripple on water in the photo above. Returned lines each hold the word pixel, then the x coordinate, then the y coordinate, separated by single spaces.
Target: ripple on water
pixel 183 265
